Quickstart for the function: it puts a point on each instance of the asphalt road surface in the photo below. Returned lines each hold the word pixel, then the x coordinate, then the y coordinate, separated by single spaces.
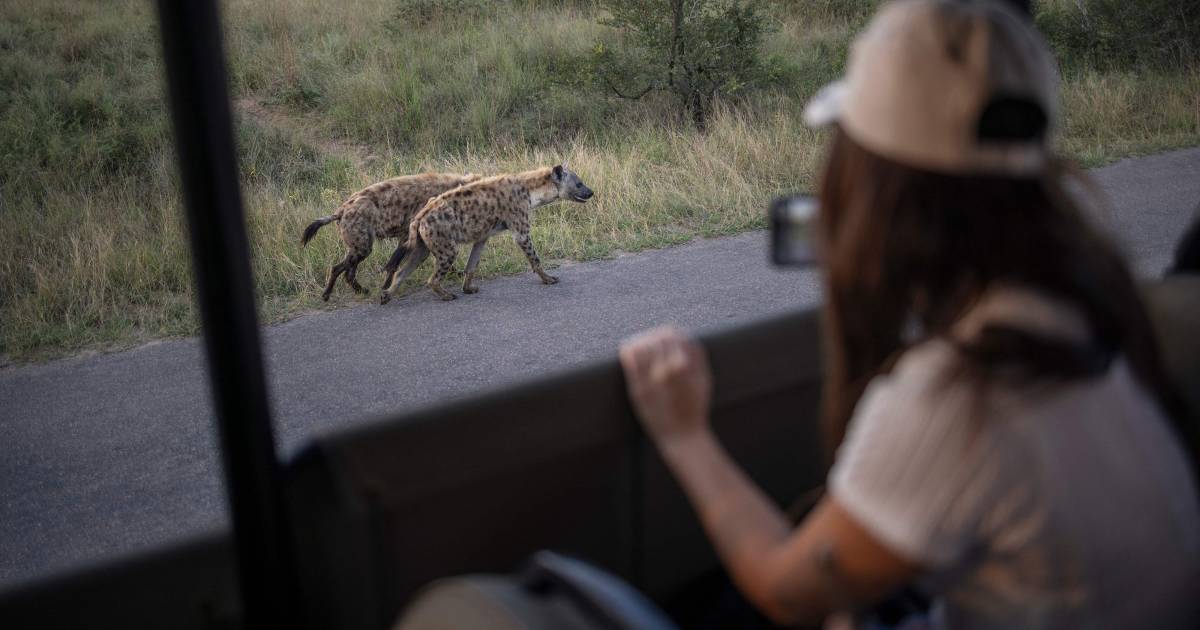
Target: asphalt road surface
pixel 107 454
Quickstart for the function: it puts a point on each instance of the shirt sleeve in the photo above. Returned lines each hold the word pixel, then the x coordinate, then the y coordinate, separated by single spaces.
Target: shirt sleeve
pixel 911 469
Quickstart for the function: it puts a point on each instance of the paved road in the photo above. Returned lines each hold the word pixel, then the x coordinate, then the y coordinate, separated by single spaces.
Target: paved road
pixel 106 454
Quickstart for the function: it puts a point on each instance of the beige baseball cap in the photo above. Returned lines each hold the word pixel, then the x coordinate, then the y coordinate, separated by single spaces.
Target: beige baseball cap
pixel 960 87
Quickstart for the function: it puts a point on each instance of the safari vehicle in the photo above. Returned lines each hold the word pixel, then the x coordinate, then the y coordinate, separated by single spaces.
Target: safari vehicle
pixel 346 534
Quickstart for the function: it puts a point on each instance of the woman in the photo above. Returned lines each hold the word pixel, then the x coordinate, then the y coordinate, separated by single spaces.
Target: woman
pixel 992 388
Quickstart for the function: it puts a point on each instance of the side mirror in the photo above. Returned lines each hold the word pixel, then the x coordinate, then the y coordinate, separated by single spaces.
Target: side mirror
pixel 793 231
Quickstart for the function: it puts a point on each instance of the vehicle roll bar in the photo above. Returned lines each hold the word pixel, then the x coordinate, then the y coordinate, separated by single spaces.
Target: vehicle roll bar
pixel 196 80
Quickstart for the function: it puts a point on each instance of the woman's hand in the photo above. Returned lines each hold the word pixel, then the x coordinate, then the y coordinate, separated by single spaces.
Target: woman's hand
pixel 669 383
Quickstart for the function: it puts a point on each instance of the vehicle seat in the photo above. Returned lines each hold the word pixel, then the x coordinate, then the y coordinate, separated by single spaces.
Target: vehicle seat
pixel 554 592
pixel 1174 307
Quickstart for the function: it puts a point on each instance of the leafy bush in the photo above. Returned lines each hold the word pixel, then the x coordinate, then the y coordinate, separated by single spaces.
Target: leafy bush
pixel 851 12
pixel 698 50
pixel 1109 34
pixel 416 13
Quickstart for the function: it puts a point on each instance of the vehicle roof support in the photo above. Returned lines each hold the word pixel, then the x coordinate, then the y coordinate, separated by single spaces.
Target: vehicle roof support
pixel 196 79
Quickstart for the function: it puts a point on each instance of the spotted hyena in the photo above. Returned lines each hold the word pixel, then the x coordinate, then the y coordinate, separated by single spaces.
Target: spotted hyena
pixel 474 212
pixel 382 210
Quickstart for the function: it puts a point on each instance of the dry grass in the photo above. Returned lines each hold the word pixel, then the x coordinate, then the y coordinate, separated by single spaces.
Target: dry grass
pixel 1129 113
pixel 92 251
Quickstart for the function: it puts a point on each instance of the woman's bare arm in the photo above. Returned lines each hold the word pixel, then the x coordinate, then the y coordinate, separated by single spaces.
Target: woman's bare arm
pixel 830 563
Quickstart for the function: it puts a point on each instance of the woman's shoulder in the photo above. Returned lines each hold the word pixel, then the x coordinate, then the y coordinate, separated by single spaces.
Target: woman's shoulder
pixel 933 404
pixel 921 378
pixel 935 372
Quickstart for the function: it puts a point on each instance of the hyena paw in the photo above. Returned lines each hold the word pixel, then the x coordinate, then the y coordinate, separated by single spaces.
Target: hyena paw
pixel 384 298
pixel 470 290
pixel 549 279
pixel 446 297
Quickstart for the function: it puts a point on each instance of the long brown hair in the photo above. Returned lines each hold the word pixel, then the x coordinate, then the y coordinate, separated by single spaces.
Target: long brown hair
pixel 903 245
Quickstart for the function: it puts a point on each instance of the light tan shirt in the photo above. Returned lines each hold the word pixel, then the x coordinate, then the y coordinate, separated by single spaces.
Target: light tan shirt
pixel 1058 505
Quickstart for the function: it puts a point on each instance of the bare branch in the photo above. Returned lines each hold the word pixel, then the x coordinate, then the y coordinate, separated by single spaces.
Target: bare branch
pixel 619 93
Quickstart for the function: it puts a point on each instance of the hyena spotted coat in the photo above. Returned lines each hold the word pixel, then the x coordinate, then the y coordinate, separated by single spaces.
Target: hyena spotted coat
pixel 382 210
pixel 474 212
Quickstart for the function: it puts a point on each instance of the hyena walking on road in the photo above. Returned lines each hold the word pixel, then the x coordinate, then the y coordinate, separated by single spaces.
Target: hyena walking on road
pixel 382 210
pixel 474 212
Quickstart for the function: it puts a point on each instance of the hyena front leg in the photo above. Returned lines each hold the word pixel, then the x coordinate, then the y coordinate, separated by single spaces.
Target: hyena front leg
pixel 526 245
pixel 472 262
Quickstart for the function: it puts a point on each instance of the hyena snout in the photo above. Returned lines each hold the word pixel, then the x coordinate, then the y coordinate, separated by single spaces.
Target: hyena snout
pixel 582 194
pixel 570 186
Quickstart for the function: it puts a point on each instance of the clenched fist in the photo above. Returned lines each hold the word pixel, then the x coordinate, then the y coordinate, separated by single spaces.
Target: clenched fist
pixel 669 383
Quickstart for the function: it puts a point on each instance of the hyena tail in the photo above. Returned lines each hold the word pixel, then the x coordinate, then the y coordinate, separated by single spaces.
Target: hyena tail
pixel 416 254
pixel 410 245
pixel 414 237
pixel 394 263
pixel 397 258
pixel 312 228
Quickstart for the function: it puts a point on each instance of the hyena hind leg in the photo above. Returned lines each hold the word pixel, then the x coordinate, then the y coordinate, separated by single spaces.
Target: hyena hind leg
pixel 351 277
pixel 342 267
pixel 445 263
pixel 472 263
pixel 355 255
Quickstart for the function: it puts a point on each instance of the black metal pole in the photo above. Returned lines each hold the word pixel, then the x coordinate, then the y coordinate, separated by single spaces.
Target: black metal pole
pixel 195 63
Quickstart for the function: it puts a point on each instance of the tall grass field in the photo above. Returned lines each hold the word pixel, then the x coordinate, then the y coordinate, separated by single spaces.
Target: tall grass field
pixel 329 97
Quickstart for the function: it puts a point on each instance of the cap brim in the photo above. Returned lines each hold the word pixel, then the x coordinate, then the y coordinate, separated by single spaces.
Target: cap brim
pixel 825 108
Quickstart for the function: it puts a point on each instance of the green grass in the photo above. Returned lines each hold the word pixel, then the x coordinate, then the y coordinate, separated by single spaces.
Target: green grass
pixel 333 96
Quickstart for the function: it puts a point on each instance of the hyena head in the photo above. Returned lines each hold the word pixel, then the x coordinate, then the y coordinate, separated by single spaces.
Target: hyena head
pixel 569 185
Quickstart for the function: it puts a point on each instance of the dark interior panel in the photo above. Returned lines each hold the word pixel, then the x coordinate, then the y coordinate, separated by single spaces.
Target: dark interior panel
pixel 190 586
pixel 479 485
pixel 774 438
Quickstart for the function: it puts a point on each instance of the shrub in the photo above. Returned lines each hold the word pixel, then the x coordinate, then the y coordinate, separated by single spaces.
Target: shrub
pixel 415 13
pixel 698 50
pixel 1115 34
pixel 852 12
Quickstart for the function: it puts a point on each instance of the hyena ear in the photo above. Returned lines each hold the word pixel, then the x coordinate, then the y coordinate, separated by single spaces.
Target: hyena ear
pixel 558 171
